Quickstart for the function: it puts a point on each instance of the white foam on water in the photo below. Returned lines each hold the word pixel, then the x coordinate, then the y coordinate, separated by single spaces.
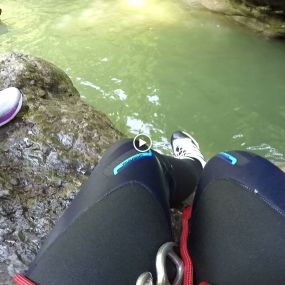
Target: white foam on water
pixel 154 99
pixel 121 94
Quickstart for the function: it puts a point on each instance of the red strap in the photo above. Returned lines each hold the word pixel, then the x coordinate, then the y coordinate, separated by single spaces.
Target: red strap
pixel 188 265
pixel 22 280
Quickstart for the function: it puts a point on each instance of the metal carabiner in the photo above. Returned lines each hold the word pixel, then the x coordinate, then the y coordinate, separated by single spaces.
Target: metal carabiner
pixel 162 279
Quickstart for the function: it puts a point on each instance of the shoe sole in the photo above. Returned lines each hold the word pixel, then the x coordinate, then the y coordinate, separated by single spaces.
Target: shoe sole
pixel 15 113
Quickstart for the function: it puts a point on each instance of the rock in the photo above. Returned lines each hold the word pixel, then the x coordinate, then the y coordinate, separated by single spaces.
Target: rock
pixel 46 153
pixel 266 17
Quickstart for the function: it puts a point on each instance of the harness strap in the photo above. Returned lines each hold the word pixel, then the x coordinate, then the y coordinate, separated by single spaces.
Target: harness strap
pixel 22 280
pixel 188 265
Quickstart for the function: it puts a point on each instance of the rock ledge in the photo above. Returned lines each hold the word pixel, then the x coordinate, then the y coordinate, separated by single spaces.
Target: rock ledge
pixel 46 152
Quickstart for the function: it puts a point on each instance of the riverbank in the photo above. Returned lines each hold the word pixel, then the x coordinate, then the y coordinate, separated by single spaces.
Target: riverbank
pixel 264 17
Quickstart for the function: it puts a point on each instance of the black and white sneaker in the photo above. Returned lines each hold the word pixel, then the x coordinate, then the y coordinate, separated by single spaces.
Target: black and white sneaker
pixel 185 146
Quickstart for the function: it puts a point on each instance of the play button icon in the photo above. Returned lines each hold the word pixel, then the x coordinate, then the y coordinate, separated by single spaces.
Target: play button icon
pixel 142 143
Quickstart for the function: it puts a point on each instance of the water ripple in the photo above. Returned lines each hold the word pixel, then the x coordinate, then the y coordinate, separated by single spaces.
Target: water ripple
pixel 268 152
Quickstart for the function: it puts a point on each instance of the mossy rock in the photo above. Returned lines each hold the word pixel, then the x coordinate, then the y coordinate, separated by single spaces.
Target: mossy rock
pixel 46 153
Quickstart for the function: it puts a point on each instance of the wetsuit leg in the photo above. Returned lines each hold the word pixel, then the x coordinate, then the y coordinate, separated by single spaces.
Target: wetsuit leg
pixel 112 230
pixel 238 222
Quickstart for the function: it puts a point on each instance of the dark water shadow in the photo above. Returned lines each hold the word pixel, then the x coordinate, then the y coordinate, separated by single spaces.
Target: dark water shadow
pixel 3 28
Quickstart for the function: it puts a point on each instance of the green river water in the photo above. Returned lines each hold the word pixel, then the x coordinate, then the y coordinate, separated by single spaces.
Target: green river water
pixel 157 66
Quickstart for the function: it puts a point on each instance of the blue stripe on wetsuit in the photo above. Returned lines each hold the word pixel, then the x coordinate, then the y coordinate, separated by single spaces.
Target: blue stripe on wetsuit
pixel 131 159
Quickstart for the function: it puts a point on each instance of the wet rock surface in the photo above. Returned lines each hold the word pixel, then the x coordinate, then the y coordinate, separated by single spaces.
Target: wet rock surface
pixel 46 152
pixel 266 17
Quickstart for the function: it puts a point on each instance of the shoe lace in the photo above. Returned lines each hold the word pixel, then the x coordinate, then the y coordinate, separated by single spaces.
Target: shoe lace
pixel 182 153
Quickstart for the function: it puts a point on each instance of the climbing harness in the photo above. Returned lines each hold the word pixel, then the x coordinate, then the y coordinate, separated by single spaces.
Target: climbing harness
pixel 184 267
pixel 166 250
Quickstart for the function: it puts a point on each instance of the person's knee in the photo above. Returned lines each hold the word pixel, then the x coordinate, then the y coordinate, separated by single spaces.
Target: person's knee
pixel 230 225
pixel 242 167
pixel 239 195
pixel 121 147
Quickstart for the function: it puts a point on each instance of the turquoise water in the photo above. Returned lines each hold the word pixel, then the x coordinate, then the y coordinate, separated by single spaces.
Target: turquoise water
pixel 157 66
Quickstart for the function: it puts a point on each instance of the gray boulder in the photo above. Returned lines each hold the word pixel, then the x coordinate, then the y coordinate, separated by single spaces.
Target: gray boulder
pixel 269 7
pixel 46 153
